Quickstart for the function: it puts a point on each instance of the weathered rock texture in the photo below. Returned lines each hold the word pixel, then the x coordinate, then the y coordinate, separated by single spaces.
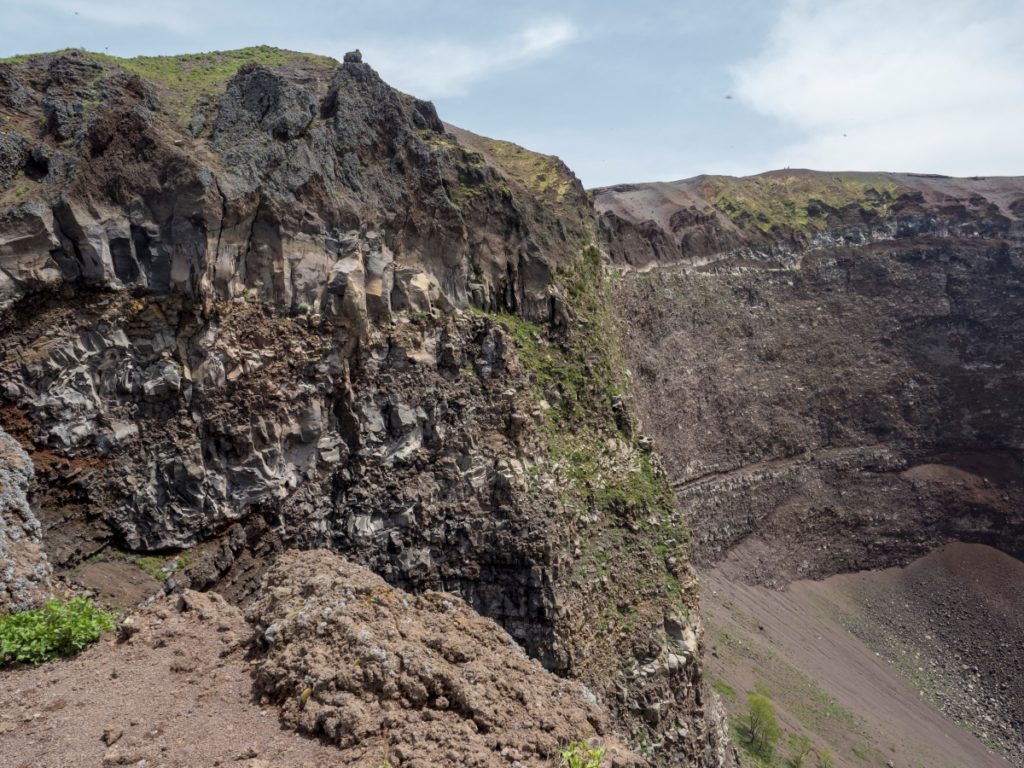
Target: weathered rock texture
pixel 24 569
pixel 381 676
pixel 236 294
pixel 832 366
pixel 424 679
pixel 302 185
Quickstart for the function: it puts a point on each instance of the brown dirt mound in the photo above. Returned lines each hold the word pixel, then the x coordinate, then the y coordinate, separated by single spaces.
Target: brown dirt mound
pixel 414 681
pixel 384 678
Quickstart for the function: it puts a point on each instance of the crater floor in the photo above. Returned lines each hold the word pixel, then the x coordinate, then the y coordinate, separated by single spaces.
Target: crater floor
pixel 878 666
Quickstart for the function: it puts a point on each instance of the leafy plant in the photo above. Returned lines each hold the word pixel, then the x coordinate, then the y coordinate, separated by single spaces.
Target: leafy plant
pixel 760 727
pixel 578 755
pixel 57 629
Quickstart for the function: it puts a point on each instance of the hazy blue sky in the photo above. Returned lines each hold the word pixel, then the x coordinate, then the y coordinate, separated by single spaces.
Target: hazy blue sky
pixel 643 89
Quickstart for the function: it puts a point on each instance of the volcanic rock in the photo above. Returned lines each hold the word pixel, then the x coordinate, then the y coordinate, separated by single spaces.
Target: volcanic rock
pixel 353 660
pixel 24 569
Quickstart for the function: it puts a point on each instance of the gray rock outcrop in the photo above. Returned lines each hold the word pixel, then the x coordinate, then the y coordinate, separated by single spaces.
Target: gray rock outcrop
pixel 24 569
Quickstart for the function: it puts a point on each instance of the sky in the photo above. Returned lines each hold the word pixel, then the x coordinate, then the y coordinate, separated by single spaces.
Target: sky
pixel 644 90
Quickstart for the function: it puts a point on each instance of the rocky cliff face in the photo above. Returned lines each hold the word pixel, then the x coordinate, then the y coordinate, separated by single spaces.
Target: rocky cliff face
pixel 259 300
pixel 831 364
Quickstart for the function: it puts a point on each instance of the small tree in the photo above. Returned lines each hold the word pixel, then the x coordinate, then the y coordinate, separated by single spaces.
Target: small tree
pixel 761 727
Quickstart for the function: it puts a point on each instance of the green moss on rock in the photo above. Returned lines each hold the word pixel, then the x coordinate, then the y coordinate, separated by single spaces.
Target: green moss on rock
pixel 633 540
pixel 798 202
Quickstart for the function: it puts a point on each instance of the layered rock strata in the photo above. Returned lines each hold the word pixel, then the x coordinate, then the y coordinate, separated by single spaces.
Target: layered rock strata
pixel 831 364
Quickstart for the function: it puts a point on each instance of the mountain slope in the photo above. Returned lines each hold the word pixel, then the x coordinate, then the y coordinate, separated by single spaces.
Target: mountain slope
pixel 257 300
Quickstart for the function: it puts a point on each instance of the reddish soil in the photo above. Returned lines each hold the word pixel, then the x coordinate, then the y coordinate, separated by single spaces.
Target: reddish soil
pixel 178 695
pixel 378 676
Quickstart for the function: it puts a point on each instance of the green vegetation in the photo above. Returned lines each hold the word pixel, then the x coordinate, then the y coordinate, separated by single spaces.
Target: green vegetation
pixel 191 77
pixel 587 428
pixel 544 175
pixel 798 202
pixel 800 748
pixel 818 713
pixel 630 541
pixel 157 566
pixel 760 729
pixel 816 710
pixel 162 567
pixel 759 734
pixel 859 752
pixel 475 177
pixel 57 629
pixel 578 755
pixel 724 690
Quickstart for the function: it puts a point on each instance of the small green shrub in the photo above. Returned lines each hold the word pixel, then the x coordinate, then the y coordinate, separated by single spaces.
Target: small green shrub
pixel 800 748
pixel 57 629
pixel 578 755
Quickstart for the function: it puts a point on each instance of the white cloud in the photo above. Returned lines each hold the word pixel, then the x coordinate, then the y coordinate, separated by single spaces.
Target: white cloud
pixel 449 68
pixel 920 85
